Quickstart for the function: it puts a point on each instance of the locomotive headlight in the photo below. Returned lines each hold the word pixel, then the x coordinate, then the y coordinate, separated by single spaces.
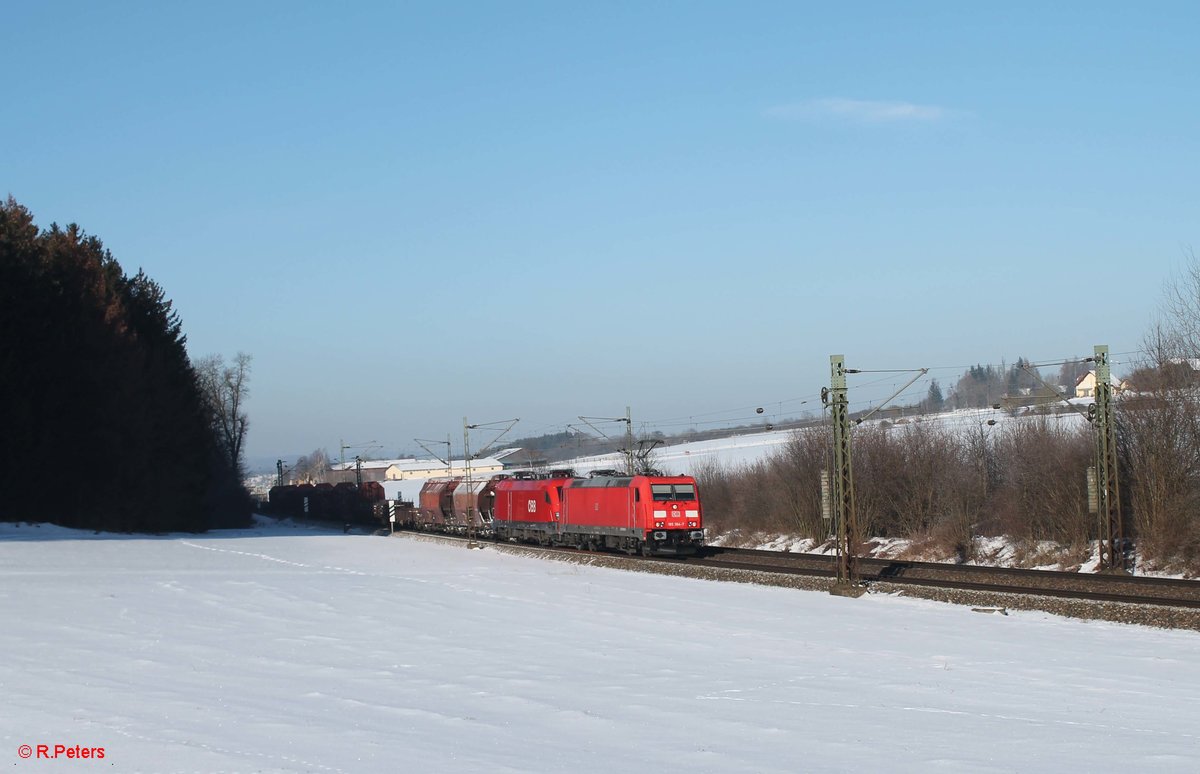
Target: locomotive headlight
pixel 691 523
pixel 658 524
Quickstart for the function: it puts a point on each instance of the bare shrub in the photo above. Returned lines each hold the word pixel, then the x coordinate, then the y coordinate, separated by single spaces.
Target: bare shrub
pixel 1041 488
pixel 716 484
pixel 757 496
pixel 1160 431
pixel 798 471
pixel 1161 450
pixel 781 494
pixel 916 481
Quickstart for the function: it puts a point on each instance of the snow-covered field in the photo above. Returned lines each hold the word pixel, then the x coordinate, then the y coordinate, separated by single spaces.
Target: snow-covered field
pixel 290 649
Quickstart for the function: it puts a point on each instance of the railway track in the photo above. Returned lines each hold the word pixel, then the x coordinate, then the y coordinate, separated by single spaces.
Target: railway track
pixel 899 574
pixel 1139 590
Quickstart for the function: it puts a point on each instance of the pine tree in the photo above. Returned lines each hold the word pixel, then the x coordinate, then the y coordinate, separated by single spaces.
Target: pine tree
pixel 95 384
pixel 934 400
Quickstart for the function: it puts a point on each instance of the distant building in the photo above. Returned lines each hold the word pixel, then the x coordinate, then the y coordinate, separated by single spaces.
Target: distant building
pixel 1086 386
pixel 372 470
pixel 524 459
pixel 406 469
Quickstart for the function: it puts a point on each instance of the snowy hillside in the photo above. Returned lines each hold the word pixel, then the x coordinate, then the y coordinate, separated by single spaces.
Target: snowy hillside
pixel 685 458
pixel 741 450
pixel 284 649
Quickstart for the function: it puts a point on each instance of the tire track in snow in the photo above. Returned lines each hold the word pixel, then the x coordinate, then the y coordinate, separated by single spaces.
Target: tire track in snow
pixel 455 586
pixel 269 558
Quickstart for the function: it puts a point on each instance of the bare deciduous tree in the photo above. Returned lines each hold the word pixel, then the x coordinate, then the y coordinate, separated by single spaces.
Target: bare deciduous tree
pixel 1160 430
pixel 312 467
pixel 1041 492
pixel 1179 334
pixel 1161 433
pixel 226 388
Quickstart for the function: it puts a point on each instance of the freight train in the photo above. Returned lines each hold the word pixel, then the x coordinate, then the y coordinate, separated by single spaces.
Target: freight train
pixel 651 515
pixel 648 514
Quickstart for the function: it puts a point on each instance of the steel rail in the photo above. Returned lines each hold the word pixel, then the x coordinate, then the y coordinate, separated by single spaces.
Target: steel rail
pixel 1132 590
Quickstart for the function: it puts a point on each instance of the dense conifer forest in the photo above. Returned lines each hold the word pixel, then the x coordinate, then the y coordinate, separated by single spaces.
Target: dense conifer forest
pixel 106 424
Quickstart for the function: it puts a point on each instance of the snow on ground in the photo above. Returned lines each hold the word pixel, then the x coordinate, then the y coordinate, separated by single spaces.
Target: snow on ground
pixel 292 649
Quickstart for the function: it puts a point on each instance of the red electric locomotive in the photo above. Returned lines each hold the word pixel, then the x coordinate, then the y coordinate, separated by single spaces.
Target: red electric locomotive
pixel 528 506
pixel 650 514
pixel 646 514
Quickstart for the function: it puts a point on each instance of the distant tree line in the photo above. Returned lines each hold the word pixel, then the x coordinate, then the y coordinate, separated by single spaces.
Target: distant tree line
pixel 106 423
pixel 989 385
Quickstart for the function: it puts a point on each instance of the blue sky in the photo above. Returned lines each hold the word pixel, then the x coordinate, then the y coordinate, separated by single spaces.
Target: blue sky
pixel 413 212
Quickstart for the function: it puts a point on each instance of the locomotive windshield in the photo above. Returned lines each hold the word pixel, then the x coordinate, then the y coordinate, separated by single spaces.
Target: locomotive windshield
pixel 663 492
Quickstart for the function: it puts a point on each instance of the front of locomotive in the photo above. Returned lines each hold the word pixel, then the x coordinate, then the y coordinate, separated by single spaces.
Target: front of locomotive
pixel 669 510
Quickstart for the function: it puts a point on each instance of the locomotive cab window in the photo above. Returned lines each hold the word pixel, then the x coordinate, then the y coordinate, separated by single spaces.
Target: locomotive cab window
pixel 664 492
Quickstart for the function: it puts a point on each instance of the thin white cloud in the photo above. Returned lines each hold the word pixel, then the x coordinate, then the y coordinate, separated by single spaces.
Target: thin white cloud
pixel 859 111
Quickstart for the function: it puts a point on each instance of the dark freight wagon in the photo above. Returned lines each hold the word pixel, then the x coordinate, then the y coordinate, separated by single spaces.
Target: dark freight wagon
pixel 345 502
